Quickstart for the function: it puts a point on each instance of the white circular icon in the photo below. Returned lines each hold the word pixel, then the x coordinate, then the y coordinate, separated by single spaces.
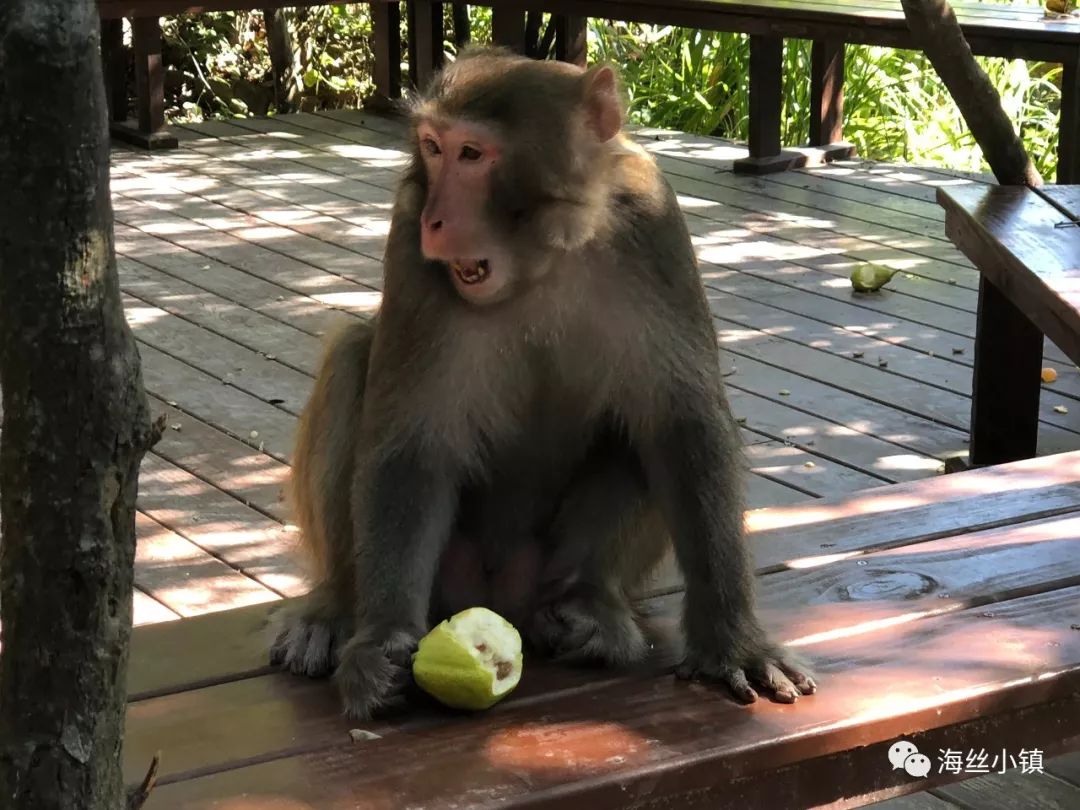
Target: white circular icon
pixel 900 751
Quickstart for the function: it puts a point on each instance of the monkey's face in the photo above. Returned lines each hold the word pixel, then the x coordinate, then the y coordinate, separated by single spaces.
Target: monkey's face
pixel 460 161
pixel 510 152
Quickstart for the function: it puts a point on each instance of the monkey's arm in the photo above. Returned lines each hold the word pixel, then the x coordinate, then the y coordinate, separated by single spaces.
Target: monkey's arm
pixel 693 461
pixel 403 511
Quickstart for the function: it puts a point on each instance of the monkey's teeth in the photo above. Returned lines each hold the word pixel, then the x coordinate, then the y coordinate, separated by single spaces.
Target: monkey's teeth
pixel 471 272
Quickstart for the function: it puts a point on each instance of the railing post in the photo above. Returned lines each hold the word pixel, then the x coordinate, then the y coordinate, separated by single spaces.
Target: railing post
pixel 386 44
pixel 827 99
pixel 766 96
pixel 150 132
pixel 425 21
pixel 115 68
pixel 571 39
pixel 508 28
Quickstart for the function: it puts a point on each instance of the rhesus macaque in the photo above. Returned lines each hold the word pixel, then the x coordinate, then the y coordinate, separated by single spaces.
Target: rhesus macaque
pixel 535 413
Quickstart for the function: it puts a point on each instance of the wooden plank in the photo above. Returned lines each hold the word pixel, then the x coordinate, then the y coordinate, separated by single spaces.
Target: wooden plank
pixel 916 801
pixel 139 249
pixel 335 292
pixel 185 578
pixel 1002 791
pixel 236 636
pixel 1051 413
pixel 224 407
pixel 810 473
pixel 1067 197
pixel 1066 767
pixel 253 478
pixel 248 542
pixel 978 570
pixel 834 441
pixel 795 536
pixel 229 362
pixel 935 678
pixel 148 610
pixel 277 341
pixel 942 294
pixel 1013 237
pixel 904 514
pixel 847 596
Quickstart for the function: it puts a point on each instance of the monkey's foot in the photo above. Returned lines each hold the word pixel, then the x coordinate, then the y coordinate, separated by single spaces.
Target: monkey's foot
pixel 581 629
pixel 770 669
pixel 373 675
pixel 308 645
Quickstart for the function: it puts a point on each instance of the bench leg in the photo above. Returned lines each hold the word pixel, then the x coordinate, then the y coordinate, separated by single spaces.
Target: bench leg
pixel 1006 384
pixel 766 97
pixel 827 99
pixel 571 42
pixel 149 132
pixel 508 28
pixel 386 45
pixel 1069 131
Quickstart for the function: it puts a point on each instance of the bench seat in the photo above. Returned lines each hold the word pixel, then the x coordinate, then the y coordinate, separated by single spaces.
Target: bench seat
pixel 943 612
pixel 1025 243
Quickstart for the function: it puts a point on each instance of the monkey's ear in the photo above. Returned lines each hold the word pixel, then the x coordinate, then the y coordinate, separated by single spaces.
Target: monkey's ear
pixel 603 109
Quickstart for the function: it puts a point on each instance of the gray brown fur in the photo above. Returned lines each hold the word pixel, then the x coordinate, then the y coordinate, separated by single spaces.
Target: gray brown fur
pixel 537 455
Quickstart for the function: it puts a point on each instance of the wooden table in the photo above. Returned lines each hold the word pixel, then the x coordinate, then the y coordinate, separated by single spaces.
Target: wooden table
pixel 1026 246
pixel 945 612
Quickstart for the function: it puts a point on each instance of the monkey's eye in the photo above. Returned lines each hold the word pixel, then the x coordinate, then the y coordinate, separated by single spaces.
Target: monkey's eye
pixel 470 153
pixel 431 147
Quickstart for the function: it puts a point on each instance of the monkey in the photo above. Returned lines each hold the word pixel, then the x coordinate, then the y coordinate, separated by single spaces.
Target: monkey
pixel 535 414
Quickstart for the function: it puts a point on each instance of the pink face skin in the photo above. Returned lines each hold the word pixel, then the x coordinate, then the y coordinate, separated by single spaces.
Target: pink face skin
pixel 459 158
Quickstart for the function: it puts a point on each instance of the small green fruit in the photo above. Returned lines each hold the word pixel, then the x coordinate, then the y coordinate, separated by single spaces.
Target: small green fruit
pixel 871 277
pixel 470 661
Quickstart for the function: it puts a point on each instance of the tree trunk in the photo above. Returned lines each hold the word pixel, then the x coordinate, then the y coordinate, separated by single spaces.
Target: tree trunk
pixel 938 34
pixel 75 423
pixel 279 44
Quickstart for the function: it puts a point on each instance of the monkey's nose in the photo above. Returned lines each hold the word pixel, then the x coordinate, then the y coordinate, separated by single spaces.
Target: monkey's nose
pixel 435 226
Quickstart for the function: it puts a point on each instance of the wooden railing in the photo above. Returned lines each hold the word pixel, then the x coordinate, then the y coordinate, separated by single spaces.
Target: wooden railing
pixel 990 29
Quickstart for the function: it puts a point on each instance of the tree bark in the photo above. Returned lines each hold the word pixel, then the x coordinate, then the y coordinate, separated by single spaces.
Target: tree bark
pixel 279 44
pixel 76 421
pixel 938 34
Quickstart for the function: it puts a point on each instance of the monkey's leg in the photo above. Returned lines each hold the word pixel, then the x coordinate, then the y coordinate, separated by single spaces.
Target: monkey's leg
pixel 693 464
pixel 404 502
pixel 309 636
pixel 605 541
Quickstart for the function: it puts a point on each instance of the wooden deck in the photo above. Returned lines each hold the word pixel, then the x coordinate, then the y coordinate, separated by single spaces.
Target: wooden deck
pixel 239 249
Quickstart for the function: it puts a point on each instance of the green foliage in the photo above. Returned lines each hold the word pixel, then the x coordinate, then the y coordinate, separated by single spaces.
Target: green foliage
pixel 895 107
pixel 218 64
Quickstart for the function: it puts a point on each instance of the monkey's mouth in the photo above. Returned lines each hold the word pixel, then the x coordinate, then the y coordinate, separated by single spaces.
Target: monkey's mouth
pixel 471 271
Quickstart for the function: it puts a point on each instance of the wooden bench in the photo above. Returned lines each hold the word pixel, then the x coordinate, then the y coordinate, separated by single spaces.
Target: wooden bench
pixel 943 612
pixel 991 30
pixel 1026 245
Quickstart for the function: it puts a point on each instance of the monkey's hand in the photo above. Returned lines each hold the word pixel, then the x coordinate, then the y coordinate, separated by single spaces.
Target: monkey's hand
pixel 375 670
pixel 747 663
